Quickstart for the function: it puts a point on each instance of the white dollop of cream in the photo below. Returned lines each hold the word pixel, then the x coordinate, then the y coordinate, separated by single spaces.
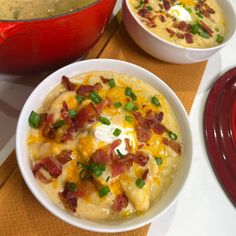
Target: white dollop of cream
pixel 179 12
pixel 104 133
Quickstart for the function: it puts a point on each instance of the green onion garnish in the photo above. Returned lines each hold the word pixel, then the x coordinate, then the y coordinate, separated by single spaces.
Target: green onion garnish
pixel 219 38
pixel 150 8
pixel 79 98
pixel 96 168
pixel 117 104
pixel 34 119
pixel 133 96
pixel 104 120
pixel 203 34
pixel 58 124
pixel 107 178
pixel 140 183
pixel 119 153
pixel 172 135
pixel 199 15
pixel 155 101
pixel 103 191
pixel 195 28
pixel 189 10
pixel 117 132
pixel 129 118
pixel 71 186
pixel 84 174
pixel 95 97
pixel 128 91
pixel 72 113
pixel 158 160
pixel 129 106
pixel 112 83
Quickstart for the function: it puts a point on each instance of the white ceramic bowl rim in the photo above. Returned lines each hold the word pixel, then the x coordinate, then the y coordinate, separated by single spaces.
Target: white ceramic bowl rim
pixel 23 161
pixel 179 46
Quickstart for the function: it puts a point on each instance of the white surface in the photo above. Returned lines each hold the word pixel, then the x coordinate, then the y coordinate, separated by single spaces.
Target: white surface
pixel 34 102
pixel 202 208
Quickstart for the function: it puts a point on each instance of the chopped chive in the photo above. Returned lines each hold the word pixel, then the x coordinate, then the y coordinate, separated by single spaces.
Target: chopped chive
pixel 133 96
pixel 140 183
pixel 119 153
pixel 129 118
pixel 217 29
pixel 117 132
pixel 104 120
pixel 135 108
pixel 95 97
pixel 103 191
pixel 219 38
pixel 158 160
pixel 203 34
pixel 117 104
pixel 79 98
pixel 128 91
pixel 172 135
pixel 189 10
pixel 195 28
pixel 199 15
pixel 84 174
pixel 129 106
pixel 72 113
pixel 58 124
pixel 150 8
pixel 112 83
pixel 34 119
pixel 96 168
pixel 155 101
pixel 107 178
pixel 71 186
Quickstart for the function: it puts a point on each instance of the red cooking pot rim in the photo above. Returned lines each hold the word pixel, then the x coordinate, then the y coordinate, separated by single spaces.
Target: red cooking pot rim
pixel 56 16
pixel 220 131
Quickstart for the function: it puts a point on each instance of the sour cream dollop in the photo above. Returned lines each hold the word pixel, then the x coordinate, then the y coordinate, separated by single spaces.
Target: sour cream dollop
pixel 180 13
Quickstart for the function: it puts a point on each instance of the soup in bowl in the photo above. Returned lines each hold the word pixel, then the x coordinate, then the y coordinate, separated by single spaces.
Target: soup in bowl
pixel 106 146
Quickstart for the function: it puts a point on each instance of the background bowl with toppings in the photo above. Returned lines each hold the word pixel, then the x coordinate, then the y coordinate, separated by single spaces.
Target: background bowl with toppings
pixel 178 31
pixel 34 102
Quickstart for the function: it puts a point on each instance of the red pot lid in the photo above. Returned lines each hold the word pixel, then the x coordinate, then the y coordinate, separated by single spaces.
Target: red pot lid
pixel 220 131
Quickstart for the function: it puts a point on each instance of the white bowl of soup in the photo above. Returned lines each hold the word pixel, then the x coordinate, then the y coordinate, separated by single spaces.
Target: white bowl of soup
pixel 104 145
pixel 181 31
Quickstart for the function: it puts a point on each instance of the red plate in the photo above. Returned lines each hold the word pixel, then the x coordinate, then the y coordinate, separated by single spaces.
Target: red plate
pixel 220 131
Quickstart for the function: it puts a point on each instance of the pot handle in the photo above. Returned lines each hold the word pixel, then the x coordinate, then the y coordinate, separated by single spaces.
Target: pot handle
pixel 8 29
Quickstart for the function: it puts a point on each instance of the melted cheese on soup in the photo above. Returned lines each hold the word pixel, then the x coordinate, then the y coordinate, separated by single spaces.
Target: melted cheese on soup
pixel 104 145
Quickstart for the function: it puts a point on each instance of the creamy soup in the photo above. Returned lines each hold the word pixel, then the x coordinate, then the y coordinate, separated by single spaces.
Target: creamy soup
pixel 104 145
pixel 29 9
pixel 188 23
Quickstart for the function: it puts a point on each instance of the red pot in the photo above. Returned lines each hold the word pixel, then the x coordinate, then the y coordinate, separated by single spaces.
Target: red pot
pixel 43 44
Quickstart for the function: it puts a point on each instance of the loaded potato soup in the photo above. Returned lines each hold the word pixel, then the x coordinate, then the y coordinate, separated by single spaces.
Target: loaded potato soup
pixel 104 145
pixel 188 23
pixel 29 9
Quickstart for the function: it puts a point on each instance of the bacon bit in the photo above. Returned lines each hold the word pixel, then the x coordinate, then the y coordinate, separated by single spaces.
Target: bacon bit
pixel 48 131
pixel 43 119
pixel 100 156
pixel 189 28
pixel 145 13
pixel 175 146
pixel 67 84
pixel 85 188
pixel 206 27
pixel 162 18
pixel 151 24
pixel 127 145
pixel 104 103
pixel 182 26
pixel 171 32
pixel 85 114
pixel 199 5
pixel 159 128
pixel 64 111
pixel 140 146
pixel 180 36
pixel 50 119
pixel 104 80
pixel 209 9
pixel 188 38
pixel 205 13
pixel 143 135
pixel 64 156
pixel 141 158
pixel 120 202
pixel 167 5
pixel 145 174
pixel 159 116
pixel 152 118
pixel 85 90
pixel 121 165
pixel 42 178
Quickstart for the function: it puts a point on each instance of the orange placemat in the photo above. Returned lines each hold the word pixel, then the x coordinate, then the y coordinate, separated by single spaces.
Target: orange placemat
pixel 21 213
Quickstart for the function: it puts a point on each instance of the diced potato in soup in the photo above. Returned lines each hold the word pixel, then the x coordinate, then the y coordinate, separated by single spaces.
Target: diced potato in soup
pixel 104 145
pixel 187 23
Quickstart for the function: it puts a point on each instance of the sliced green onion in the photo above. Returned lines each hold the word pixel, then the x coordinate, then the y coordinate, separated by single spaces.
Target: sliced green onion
pixel 172 135
pixel 155 101
pixel 34 119
pixel 199 15
pixel 150 8
pixel 219 38
pixel 129 106
pixel 195 28
pixel 79 98
pixel 140 183
pixel 117 104
pixel 129 118
pixel 128 91
pixel 203 34
pixel 217 29
pixel 58 124
pixel 117 132
pixel 133 96
pixel 71 186
pixel 72 113
pixel 135 108
pixel 119 153
pixel 107 178
pixel 96 168
pixel 112 83
pixel 103 191
pixel 158 160
pixel 84 175
pixel 104 120
pixel 95 97
pixel 189 10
